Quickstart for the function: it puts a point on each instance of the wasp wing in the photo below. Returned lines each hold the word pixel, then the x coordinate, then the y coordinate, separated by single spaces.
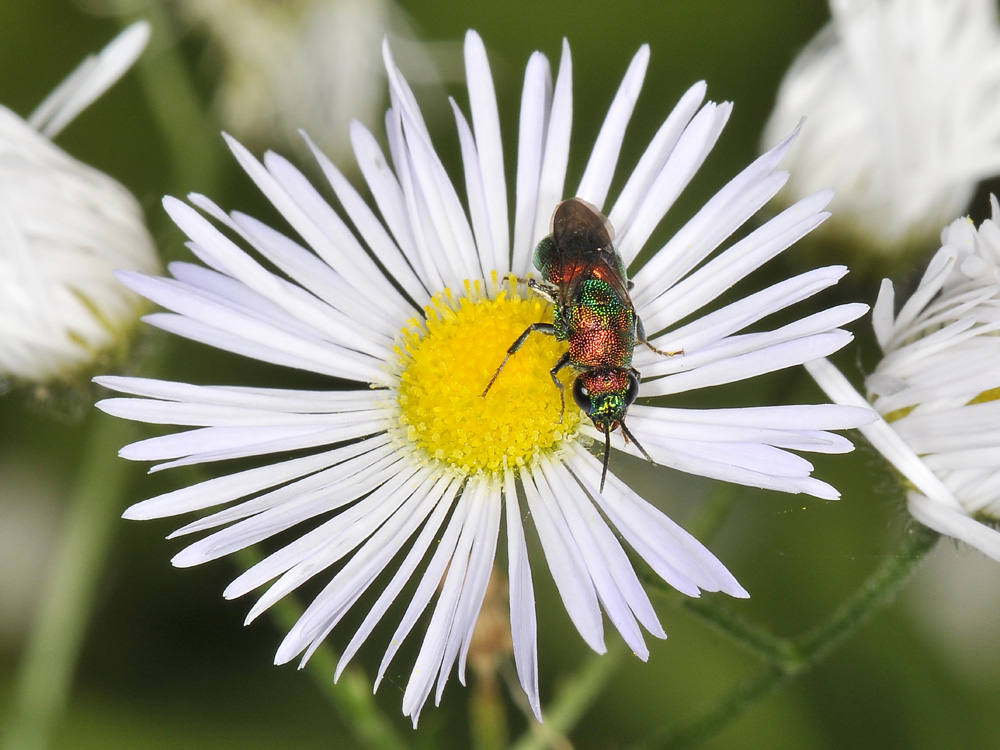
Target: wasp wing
pixel 583 248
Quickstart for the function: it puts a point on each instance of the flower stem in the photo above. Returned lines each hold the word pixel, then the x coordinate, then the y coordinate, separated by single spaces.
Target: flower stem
pixel 785 659
pixel 191 136
pixel 352 695
pixel 53 647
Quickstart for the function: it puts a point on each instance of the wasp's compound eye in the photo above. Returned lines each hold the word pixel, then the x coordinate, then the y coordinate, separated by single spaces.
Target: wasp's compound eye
pixel 582 396
pixel 633 388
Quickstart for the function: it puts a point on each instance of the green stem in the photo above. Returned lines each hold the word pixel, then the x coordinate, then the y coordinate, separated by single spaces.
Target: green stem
pixel 53 647
pixel 351 696
pixel 573 699
pixel 758 640
pixel 788 658
pixel 487 714
pixel 192 137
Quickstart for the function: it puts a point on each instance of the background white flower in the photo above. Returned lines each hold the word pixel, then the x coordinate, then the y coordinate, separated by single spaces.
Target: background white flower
pixel 903 117
pixel 64 229
pixel 311 65
pixel 380 485
pixel 938 384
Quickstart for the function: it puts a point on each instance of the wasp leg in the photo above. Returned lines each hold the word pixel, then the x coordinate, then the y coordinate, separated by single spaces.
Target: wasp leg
pixel 640 333
pixel 518 343
pixel 554 373
pixel 545 291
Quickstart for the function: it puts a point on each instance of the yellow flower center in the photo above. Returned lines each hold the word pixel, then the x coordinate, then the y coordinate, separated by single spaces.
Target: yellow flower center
pixel 446 361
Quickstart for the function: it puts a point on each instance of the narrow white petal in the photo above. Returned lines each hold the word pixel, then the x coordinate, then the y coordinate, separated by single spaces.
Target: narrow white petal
pixel 312 218
pixel 273 399
pixel 209 444
pixel 565 561
pixel 388 195
pixel 738 261
pixel 343 464
pixel 692 149
pixel 486 126
pixel 608 561
pixel 382 245
pixel 314 551
pixel 536 100
pixel 443 210
pixel 267 343
pixel 91 78
pixel 604 158
pixel 490 258
pixel 433 265
pixel 428 585
pixel 481 563
pixel 607 590
pixel 352 261
pixel 674 424
pixel 725 212
pixel 359 573
pixel 429 664
pixel 676 556
pixel 650 165
pixel 955 523
pixel 290 506
pixel 881 435
pixel 884 313
pixel 552 179
pixel 741 314
pixel 744 357
pixel 523 624
pixel 407 568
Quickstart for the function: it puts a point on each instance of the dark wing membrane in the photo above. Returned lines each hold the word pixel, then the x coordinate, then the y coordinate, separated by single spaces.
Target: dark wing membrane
pixel 583 240
pixel 576 220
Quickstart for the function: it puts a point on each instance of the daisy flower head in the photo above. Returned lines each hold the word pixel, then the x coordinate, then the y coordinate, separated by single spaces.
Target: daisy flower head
pixel 938 384
pixel 414 304
pixel 903 116
pixel 64 229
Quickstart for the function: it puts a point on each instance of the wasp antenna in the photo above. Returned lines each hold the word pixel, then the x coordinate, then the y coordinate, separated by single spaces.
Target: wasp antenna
pixel 607 454
pixel 629 436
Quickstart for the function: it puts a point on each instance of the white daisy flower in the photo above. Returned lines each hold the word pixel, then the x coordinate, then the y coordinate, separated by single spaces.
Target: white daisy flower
pixel 64 229
pixel 937 386
pixel 403 458
pixel 903 116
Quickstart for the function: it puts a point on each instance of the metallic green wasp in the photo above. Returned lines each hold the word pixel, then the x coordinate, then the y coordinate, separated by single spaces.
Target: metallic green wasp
pixel 585 278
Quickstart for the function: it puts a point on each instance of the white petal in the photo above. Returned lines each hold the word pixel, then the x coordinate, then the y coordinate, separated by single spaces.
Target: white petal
pixel 676 556
pixel 641 180
pixel 486 126
pixel 604 158
pixel 91 78
pixel 407 568
pixel 382 245
pixel 882 436
pixel 359 573
pixel 552 180
pixel 692 149
pixel 536 100
pixel 565 561
pixel 955 523
pixel 523 624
